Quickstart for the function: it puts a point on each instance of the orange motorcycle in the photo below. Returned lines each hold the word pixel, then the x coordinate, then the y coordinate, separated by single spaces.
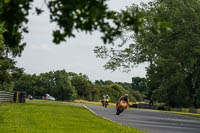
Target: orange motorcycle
pixel 121 106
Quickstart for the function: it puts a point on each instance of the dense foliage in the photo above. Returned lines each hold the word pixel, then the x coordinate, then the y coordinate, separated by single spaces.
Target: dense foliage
pixel 139 84
pixel 68 86
pixel 54 83
pixel 172 55
pixel 13 16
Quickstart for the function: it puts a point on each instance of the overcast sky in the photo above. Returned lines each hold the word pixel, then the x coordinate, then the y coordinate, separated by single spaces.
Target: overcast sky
pixel 75 55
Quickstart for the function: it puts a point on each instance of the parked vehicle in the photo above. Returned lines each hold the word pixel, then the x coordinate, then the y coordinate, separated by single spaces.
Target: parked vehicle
pixel 51 98
pixel 48 97
pixel 121 107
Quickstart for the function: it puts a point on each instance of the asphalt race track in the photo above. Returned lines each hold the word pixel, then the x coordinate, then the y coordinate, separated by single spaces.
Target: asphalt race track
pixel 151 121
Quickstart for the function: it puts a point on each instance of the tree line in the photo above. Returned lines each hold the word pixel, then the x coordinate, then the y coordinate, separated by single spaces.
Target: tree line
pixel 69 86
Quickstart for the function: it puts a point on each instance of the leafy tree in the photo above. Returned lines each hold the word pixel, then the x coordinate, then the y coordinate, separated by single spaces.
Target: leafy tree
pixel 115 91
pixel 137 95
pixel 26 83
pixel 55 83
pixel 5 65
pixel 118 89
pixel 63 88
pixel 139 84
pixel 12 18
pixel 14 15
pixel 8 71
pixel 83 86
pixel 99 82
pixel 198 97
pixel 70 15
pixel 173 55
pixel 125 85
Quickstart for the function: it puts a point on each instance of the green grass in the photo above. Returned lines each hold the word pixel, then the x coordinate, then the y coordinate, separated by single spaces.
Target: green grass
pixel 84 102
pixel 54 117
pixel 194 115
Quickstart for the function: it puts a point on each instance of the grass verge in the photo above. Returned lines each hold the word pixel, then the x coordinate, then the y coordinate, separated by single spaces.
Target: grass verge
pixel 85 102
pixel 54 117
pixel 194 115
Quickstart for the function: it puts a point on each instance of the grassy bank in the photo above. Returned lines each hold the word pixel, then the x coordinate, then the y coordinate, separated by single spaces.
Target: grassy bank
pixel 53 117
pixel 194 115
pixel 85 102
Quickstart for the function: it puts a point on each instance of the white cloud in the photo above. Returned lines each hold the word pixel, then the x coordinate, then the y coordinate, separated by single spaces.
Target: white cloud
pixel 43 47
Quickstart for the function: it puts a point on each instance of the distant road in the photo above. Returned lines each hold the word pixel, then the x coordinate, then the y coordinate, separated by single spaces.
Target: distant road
pixel 151 121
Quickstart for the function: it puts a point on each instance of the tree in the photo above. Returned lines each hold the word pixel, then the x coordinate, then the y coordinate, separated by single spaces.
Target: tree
pixel 11 19
pixel 27 83
pixel 63 88
pixel 55 83
pixel 173 55
pixel 70 15
pixel 125 85
pixel 14 15
pixel 137 95
pixel 84 87
pixel 5 65
pixel 139 84
pixel 115 91
pixel 8 71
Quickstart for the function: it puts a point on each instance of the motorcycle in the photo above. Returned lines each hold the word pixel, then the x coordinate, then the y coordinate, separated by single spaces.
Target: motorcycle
pixel 104 103
pixel 121 107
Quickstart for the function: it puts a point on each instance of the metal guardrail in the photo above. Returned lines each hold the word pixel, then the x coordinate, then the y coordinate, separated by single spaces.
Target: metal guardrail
pixel 156 107
pixel 6 96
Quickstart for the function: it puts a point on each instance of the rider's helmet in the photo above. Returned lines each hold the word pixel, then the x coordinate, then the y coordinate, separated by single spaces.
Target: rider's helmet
pixel 126 96
pixel 107 95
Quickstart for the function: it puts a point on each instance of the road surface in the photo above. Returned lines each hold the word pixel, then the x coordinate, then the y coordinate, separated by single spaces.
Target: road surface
pixel 151 121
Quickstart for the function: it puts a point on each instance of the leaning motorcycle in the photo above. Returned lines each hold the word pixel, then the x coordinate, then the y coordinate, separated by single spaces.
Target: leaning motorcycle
pixel 120 107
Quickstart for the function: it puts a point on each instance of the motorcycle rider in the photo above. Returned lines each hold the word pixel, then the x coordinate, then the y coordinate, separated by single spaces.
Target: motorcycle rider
pixel 107 98
pixel 102 100
pixel 125 98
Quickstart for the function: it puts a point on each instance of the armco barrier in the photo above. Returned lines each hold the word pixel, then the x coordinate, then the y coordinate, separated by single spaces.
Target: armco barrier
pixel 6 96
pixel 156 107
pixel 145 106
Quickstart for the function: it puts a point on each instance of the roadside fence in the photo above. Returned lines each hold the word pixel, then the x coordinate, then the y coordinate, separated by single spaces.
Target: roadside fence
pixel 16 96
pixel 6 96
